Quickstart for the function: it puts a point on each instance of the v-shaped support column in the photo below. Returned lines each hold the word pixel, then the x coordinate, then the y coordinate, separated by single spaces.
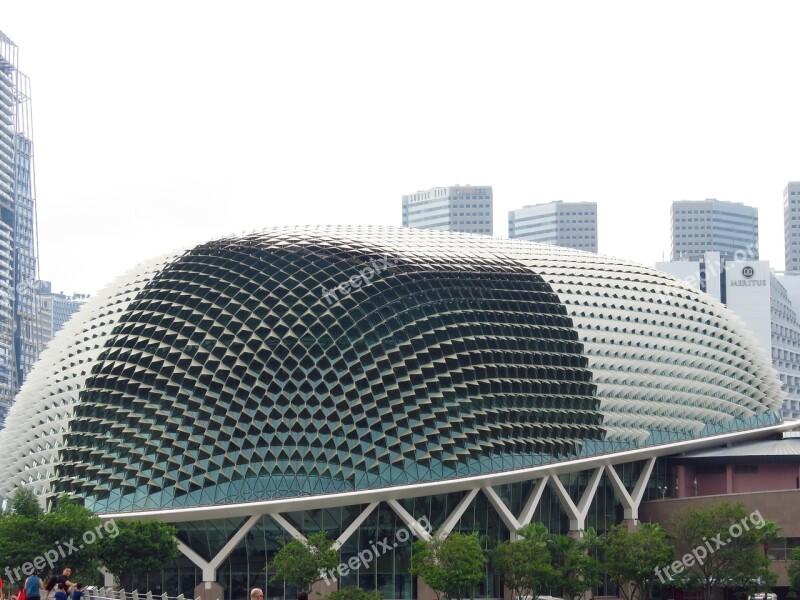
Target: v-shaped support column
pixel 209 567
pixel 577 514
pixel 417 529
pixel 631 501
pixel 509 520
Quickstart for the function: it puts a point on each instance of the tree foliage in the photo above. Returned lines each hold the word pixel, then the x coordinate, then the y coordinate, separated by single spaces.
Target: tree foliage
pixel 27 535
pixel 793 571
pixel 724 547
pixel 71 535
pixel 68 522
pixel 353 593
pixel 20 543
pixel 632 558
pixel 301 564
pixel 24 503
pixel 138 547
pixel 524 565
pixel 577 569
pixel 452 567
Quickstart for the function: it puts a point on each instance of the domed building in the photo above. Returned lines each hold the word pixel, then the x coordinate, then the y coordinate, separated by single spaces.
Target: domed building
pixel 380 384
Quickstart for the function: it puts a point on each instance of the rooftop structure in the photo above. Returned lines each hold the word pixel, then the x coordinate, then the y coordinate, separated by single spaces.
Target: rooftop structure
pixel 363 379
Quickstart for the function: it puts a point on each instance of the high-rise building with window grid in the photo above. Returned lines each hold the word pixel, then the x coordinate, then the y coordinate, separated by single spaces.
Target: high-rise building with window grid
pixel 467 209
pixel 568 224
pixel 700 226
pixel 20 340
pixel 791 226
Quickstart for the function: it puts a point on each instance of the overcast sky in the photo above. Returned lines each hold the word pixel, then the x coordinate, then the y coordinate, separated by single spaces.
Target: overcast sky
pixel 162 124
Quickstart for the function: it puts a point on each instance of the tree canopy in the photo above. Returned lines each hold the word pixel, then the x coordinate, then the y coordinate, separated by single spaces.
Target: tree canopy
pixel 138 547
pixel 632 559
pixel 452 567
pixel 353 593
pixel 577 569
pixel 24 503
pixel 71 535
pixel 724 546
pixel 793 571
pixel 301 564
pixel 47 542
pixel 524 565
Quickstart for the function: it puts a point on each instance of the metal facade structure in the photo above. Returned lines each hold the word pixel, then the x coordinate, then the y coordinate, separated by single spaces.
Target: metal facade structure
pixel 20 342
pixel 751 290
pixel 357 379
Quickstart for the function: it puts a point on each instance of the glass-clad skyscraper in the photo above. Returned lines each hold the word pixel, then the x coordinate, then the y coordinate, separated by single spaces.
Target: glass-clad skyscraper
pixel 19 343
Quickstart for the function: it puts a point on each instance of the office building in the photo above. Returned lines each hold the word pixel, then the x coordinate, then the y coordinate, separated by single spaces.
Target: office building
pixel 700 226
pixel 568 224
pixel 762 301
pixel 63 307
pixel 20 341
pixel 465 209
pixel 44 312
pixel 791 226
pixel 477 383
pixel 55 309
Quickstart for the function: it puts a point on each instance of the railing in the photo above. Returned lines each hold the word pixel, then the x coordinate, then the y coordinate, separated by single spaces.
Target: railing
pixel 107 593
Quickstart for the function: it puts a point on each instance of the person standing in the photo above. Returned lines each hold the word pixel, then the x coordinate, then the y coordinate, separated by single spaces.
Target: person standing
pixel 33 587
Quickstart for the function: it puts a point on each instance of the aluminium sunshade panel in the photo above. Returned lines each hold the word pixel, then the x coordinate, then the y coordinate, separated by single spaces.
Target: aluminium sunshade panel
pixel 229 374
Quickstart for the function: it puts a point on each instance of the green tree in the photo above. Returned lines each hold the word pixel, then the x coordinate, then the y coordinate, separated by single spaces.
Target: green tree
pixel 524 565
pixel 66 527
pixel 451 567
pixel 793 570
pixel 577 569
pixel 20 542
pixel 27 535
pixel 301 564
pixel 724 547
pixel 25 503
pixel 130 549
pixel 353 593
pixel 632 559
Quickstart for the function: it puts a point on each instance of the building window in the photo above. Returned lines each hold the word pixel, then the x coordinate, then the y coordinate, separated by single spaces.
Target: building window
pixel 745 469
pixel 710 469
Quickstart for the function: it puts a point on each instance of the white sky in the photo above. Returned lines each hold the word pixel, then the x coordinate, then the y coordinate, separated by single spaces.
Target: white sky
pixel 161 124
